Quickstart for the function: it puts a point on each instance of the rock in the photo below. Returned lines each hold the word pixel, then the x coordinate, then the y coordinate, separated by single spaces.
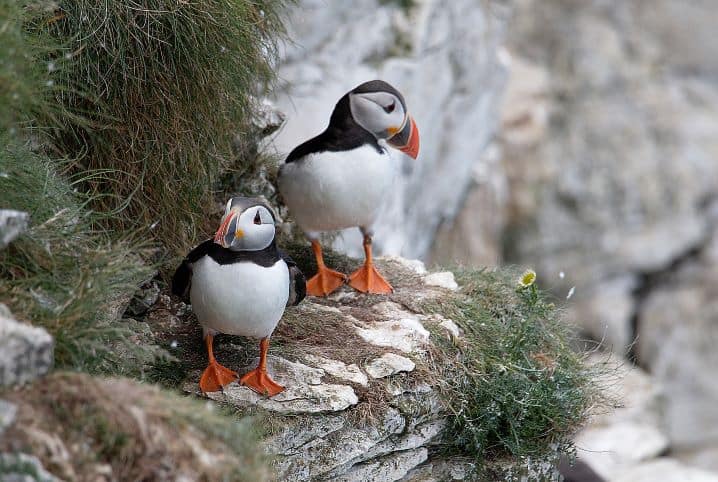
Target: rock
pixel 339 369
pixel 604 183
pixel 677 333
pixel 294 435
pixel 418 437
pixel 8 411
pixel 617 440
pixel 143 300
pixel 415 265
pixel 388 364
pixel 12 224
pixel 389 468
pixel 305 393
pixel 269 118
pixel 666 470
pixel 442 56
pixel 26 352
pixel 450 327
pixel 443 279
pixel 19 467
pixel 333 453
pixel 611 449
pixel 406 334
pixel 441 470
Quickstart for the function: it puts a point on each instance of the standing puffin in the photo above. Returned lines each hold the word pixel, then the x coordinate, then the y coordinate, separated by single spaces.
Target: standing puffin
pixel 239 283
pixel 340 178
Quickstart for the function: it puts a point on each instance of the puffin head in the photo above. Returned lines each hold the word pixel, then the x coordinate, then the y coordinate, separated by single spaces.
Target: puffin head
pixel 380 109
pixel 247 225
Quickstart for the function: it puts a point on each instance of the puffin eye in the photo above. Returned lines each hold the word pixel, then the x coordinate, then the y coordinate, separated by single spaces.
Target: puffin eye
pixel 390 108
pixel 257 218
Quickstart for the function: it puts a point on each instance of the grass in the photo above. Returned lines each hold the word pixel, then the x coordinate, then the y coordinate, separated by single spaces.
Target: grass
pixel 21 77
pixel 512 384
pixel 154 93
pixel 65 275
pixel 139 431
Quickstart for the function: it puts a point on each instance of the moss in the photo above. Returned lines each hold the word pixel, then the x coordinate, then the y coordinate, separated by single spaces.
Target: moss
pixel 513 385
pixel 152 95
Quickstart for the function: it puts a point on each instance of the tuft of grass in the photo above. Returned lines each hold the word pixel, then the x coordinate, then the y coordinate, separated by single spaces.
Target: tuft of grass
pixel 512 384
pixel 154 92
pixel 139 431
pixel 22 78
pixel 65 275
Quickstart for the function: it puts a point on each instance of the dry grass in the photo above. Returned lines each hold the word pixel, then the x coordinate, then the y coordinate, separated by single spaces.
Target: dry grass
pixel 150 96
pixel 82 427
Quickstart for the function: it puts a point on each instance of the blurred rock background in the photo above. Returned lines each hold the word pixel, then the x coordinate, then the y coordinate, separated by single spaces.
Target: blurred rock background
pixel 577 137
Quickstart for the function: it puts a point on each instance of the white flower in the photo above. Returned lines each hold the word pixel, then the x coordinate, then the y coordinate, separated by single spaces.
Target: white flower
pixel 528 278
pixel 570 292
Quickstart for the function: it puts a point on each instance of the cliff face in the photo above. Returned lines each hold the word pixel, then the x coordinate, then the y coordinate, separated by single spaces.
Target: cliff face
pixel 441 55
pixel 608 148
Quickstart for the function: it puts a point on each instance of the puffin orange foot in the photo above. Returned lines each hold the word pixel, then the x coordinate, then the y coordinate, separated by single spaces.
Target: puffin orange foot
pixel 260 381
pixel 215 377
pixel 368 280
pixel 325 282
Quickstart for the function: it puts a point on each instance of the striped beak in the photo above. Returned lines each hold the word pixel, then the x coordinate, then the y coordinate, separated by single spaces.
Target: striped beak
pixel 228 230
pixel 407 139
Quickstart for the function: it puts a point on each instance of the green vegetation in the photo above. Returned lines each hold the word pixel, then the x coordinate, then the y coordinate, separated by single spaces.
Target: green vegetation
pixel 63 273
pixel 153 93
pixel 514 386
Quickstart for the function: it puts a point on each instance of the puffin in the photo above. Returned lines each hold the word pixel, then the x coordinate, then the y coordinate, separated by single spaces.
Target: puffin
pixel 341 178
pixel 239 283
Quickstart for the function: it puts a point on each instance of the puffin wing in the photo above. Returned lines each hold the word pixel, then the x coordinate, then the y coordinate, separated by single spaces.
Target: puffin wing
pixel 297 281
pixel 182 279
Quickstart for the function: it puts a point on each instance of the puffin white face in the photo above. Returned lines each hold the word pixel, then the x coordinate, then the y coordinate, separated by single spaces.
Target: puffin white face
pixel 381 113
pixel 248 230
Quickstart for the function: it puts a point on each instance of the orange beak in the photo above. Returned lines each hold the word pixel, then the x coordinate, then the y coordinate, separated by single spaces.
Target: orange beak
pixel 221 233
pixel 407 140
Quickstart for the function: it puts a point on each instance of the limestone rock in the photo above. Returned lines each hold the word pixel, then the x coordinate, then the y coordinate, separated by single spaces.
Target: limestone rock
pixel 335 451
pixel 617 440
pixel 26 352
pixel 339 369
pixel 12 224
pixel 406 334
pixel 389 468
pixel 388 364
pixel 616 447
pixel 677 328
pixel 440 470
pixel 305 393
pixel 443 279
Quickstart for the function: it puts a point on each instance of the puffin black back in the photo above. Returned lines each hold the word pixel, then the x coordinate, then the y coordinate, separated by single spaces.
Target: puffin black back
pixel 342 134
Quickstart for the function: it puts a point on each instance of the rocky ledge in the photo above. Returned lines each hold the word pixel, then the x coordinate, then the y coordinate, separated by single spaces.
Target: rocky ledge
pixel 358 404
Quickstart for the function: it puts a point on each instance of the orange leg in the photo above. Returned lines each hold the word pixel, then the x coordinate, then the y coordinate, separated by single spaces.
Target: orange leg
pixel 367 279
pixel 215 376
pixel 326 280
pixel 258 379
